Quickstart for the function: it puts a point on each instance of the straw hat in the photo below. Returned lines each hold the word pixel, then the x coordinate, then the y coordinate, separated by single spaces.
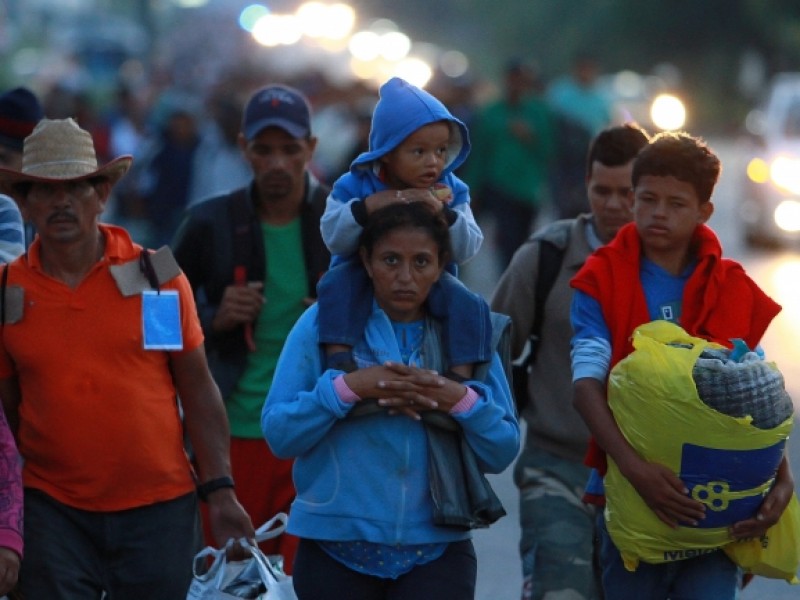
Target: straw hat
pixel 59 150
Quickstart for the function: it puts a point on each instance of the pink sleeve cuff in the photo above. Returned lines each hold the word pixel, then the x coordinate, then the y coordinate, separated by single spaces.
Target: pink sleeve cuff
pixel 12 540
pixel 466 402
pixel 343 390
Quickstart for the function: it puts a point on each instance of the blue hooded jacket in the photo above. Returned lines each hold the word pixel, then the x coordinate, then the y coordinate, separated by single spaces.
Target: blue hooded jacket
pixel 367 478
pixel 402 109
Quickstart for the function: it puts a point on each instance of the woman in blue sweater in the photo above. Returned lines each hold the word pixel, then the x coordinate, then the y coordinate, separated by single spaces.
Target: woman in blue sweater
pixel 364 510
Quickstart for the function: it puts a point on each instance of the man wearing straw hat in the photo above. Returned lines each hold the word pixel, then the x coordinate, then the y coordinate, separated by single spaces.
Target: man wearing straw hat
pixel 98 340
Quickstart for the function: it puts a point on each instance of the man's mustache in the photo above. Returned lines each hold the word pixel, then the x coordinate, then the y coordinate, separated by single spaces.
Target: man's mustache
pixel 62 215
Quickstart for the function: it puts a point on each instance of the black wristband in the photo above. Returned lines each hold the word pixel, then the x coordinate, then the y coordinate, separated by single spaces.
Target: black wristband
pixel 204 489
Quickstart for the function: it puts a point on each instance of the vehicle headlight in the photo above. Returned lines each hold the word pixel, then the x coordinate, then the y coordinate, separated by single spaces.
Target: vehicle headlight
pixel 787 215
pixel 785 173
pixel 758 170
pixel 668 112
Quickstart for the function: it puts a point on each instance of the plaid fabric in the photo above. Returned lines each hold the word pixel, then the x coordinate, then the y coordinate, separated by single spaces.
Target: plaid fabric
pixel 750 386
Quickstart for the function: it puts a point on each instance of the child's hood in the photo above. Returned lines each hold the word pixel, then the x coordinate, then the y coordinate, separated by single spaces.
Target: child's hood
pixel 400 111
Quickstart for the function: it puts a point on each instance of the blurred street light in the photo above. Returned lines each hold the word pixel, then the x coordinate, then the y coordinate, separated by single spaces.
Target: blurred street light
pixel 414 70
pixel 644 99
pixel 374 53
pixel 784 172
pixel 251 15
pixel 277 30
pixel 394 45
pixel 312 17
pixel 326 21
pixel 668 112
pixel 364 45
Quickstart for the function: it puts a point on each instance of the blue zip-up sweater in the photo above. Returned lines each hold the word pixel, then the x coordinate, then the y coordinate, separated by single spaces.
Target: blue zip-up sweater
pixel 401 110
pixel 366 478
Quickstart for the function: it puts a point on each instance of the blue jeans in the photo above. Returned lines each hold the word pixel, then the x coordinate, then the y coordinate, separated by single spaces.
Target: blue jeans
pixel 132 554
pixel 345 303
pixel 452 576
pixel 708 577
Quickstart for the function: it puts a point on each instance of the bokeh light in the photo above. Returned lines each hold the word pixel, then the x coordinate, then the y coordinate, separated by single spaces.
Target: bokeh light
pixel 668 112
pixel 758 170
pixel 340 21
pixel 454 63
pixel 394 45
pixel 250 16
pixel 414 70
pixel 787 215
pixel 313 17
pixel 374 54
pixel 365 45
pixel 785 172
pixel 276 30
pixel 628 84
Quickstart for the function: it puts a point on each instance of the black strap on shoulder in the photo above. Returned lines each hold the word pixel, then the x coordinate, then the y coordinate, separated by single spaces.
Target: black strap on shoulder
pixel 316 253
pixel 146 267
pixel 242 220
pixel 550 259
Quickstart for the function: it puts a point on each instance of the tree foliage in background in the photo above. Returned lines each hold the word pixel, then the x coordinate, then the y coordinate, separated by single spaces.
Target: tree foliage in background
pixel 706 40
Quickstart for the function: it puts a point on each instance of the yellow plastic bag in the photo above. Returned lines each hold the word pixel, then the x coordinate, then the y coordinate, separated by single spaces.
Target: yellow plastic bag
pixel 776 554
pixel 725 462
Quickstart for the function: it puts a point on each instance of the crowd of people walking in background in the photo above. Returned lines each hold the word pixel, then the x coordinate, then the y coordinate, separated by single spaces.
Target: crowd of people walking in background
pixel 220 305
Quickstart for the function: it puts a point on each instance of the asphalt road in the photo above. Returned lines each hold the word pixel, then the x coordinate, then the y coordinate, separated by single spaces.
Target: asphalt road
pixel 499 570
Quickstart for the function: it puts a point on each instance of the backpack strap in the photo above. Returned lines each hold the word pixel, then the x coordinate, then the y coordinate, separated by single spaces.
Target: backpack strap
pixel 247 255
pixel 550 259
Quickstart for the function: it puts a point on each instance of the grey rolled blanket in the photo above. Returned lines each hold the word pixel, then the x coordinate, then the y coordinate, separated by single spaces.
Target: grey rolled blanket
pixel 747 386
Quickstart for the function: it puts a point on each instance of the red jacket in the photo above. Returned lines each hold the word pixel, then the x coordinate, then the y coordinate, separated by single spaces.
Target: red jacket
pixel 720 301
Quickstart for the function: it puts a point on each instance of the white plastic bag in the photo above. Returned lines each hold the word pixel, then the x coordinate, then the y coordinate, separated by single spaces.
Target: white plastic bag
pixel 256 578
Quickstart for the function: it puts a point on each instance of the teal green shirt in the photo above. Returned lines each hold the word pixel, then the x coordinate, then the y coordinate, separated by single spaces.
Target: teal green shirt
pixel 284 290
pixel 516 166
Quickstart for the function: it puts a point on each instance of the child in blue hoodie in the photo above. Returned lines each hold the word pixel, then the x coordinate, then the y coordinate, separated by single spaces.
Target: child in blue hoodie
pixel 415 144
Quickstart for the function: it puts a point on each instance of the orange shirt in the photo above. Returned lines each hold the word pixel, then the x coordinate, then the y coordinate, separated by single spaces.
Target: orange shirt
pixel 99 427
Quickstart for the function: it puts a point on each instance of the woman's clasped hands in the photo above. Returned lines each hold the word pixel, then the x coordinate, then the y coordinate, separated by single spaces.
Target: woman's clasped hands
pixel 406 389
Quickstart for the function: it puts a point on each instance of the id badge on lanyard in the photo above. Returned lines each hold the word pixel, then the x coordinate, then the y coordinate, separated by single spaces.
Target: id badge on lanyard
pixel 161 320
